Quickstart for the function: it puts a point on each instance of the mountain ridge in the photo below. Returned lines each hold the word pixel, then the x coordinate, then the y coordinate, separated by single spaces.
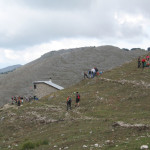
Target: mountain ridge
pixel 65 67
pixel 9 68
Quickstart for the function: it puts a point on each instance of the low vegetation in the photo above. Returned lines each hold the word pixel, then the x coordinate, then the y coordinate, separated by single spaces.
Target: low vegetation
pixel 119 95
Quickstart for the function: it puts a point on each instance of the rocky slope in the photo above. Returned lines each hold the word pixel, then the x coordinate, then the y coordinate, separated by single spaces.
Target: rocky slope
pixel 65 67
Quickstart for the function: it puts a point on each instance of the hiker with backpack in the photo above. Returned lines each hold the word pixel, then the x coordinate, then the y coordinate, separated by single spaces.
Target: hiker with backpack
pixel 77 99
pixel 69 102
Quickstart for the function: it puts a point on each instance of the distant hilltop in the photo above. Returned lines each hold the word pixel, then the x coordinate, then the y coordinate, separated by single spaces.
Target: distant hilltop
pixel 9 69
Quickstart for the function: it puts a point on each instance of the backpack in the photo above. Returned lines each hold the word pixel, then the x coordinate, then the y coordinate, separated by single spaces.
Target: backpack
pixel 78 96
pixel 69 100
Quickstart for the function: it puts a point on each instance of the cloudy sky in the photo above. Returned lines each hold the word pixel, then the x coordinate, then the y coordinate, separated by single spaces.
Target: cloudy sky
pixel 30 28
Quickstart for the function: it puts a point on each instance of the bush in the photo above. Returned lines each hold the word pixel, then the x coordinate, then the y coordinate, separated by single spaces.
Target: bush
pixel 28 145
pixel 44 142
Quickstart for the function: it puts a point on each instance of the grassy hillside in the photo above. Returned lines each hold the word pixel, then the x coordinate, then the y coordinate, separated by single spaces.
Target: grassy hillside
pixel 121 94
pixel 65 67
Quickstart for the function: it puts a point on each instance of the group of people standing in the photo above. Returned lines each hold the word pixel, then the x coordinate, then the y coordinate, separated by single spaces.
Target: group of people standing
pixel 69 100
pixel 92 73
pixel 145 62
pixel 18 100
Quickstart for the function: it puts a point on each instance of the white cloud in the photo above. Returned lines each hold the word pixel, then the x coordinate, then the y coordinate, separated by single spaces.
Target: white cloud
pixel 39 26
pixel 34 52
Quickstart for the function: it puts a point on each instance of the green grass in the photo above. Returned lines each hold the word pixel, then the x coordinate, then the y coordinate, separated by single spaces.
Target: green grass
pixel 30 145
pixel 45 124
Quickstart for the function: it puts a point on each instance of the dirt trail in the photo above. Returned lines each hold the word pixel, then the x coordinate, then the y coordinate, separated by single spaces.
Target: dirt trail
pixel 7 106
pixel 134 83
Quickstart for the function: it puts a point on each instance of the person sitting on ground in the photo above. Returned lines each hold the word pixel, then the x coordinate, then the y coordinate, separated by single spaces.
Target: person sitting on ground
pixel 69 102
pixel 77 99
pixel 85 75
pixel 101 72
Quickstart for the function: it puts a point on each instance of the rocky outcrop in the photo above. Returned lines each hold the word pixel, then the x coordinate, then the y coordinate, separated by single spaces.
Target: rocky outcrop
pixel 127 125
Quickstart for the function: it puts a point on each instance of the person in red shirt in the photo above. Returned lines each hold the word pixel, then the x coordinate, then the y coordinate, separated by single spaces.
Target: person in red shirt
pixel 143 62
pixel 147 58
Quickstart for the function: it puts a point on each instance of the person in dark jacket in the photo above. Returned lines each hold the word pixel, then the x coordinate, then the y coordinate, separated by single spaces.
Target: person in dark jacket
pixel 85 75
pixel 77 99
pixel 69 102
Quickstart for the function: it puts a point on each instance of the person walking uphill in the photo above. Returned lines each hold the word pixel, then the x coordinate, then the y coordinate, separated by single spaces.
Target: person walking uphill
pixel 77 99
pixel 69 102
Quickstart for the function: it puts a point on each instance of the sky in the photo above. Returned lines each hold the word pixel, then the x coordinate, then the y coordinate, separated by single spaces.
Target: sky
pixel 31 28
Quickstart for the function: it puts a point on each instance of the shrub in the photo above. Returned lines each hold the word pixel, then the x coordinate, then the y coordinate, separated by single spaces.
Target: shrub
pixel 28 145
pixel 44 142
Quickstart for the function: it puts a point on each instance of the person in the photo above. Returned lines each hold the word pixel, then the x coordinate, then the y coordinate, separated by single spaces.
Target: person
pixel 77 99
pixel 139 62
pixel 69 102
pixel 12 100
pixel 85 75
pixel 101 72
pixel 143 63
pixel 96 70
pixel 15 99
pixel 19 101
pixel 93 72
pixel 30 98
pixel 21 98
pixel 147 57
pixel 90 74
pixel 147 63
